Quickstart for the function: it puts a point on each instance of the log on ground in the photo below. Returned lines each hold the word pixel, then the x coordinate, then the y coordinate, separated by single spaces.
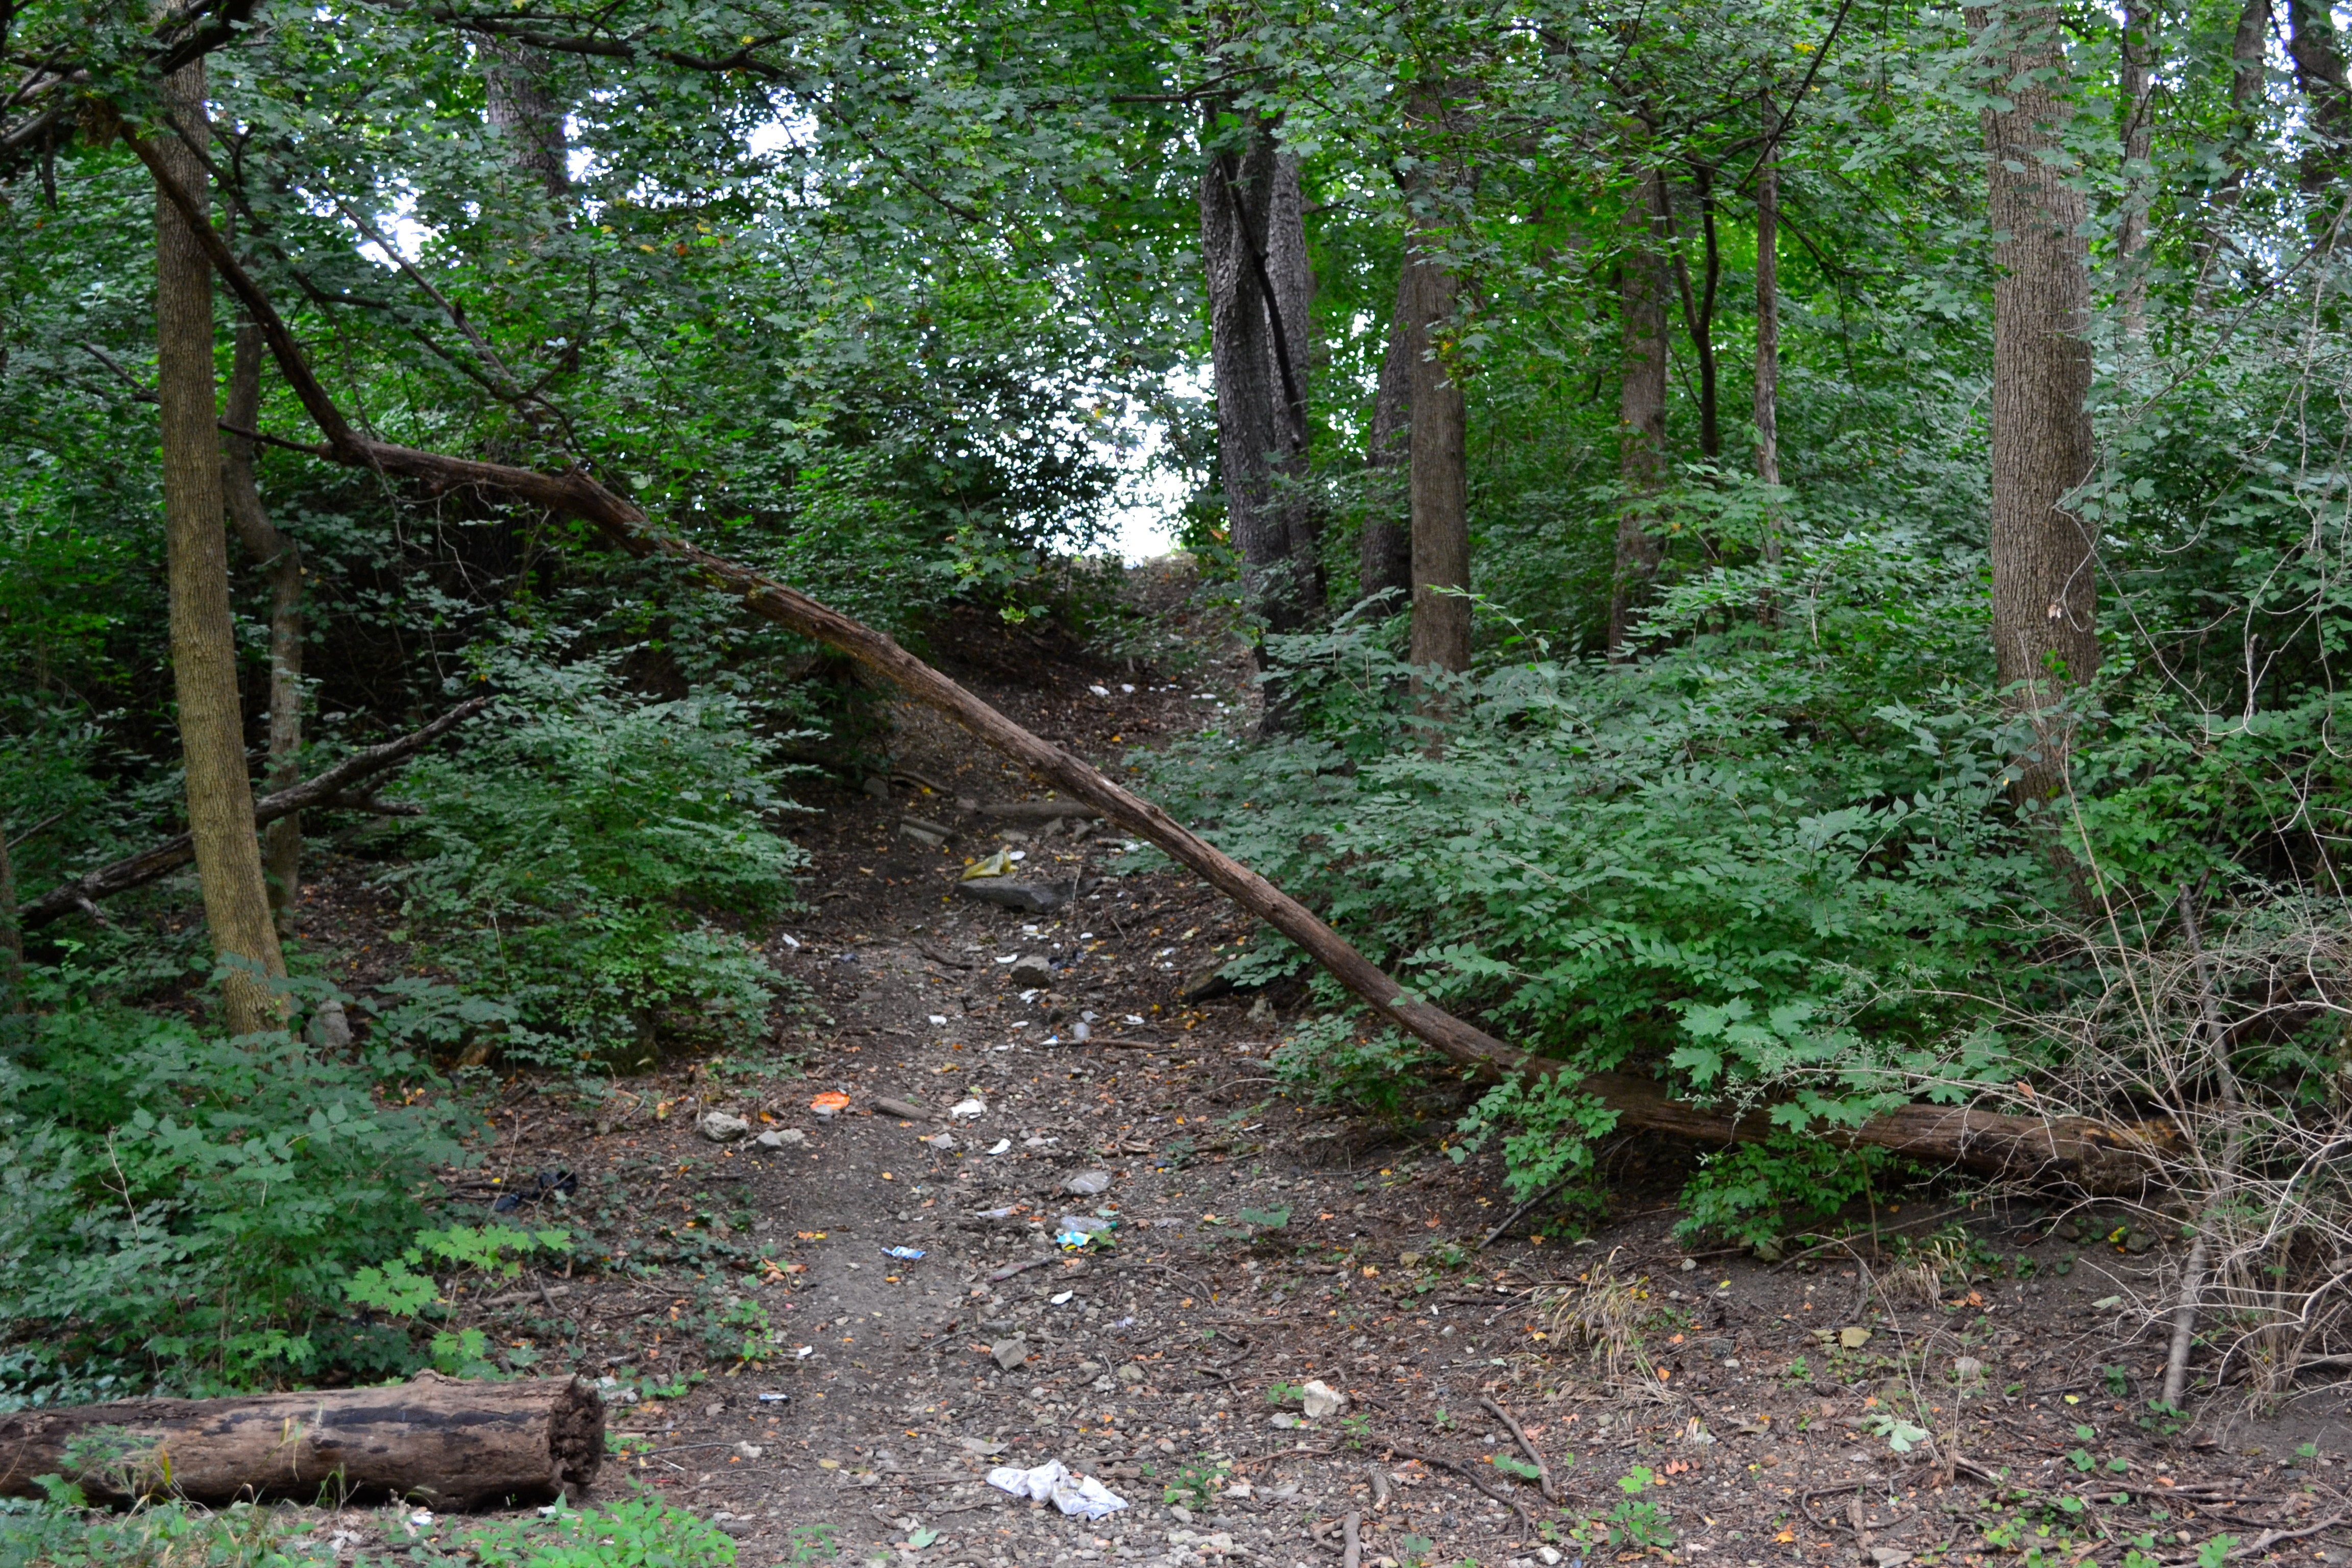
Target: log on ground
pixel 448 1444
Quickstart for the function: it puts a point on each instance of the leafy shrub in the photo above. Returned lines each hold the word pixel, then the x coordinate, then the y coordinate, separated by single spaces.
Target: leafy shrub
pixel 573 853
pixel 181 1210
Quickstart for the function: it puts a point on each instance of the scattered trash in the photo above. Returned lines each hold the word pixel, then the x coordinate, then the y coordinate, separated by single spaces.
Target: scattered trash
pixel 997 865
pixel 545 1185
pixel 1000 1146
pixel 1007 1212
pixel 965 1110
pixel 1062 1300
pixel 830 1104
pixel 1081 1034
pixel 1076 1496
pixel 938 1020
pixel 1286 1421
pixel 1009 1354
pixel 775 1399
pixel 749 1450
pixel 615 1391
pixel 1134 1018
pixel 944 1143
pixel 1321 1399
pixel 981 1445
pixel 421 1520
pixel 1078 1229
pixel 789 1138
pixel 1099 690
pixel 790 940
pixel 801 1353
pixel 904 1254
pixel 1088 1184
pixel 720 1128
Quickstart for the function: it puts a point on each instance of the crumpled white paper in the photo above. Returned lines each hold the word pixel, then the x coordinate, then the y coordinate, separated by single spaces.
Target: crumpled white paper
pixel 1051 1482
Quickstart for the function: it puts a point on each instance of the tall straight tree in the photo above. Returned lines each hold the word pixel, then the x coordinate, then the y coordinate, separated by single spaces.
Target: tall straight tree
pixel 2317 51
pixel 1641 407
pixel 1767 323
pixel 2140 39
pixel 2044 584
pixel 280 561
pixel 204 642
pixel 1384 548
pixel 1441 480
pixel 1254 246
pixel 519 106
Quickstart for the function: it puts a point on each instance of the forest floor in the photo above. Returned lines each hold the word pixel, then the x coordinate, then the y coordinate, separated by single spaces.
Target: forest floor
pixel 1261 1242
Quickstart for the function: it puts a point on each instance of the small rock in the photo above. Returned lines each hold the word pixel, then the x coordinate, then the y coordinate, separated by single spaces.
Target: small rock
pixel 1322 1399
pixel 945 1143
pixel 1088 1184
pixel 1205 984
pixel 1689 1264
pixel 2139 1241
pixel 1179 1513
pixel 1887 1557
pixel 1130 1373
pixel 1009 1353
pixel 330 1028
pixel 1284 1420
pixel 749 1450
pixel 1967 1369
pixel 1013 893
pixel 1032 969
pixel 1261 1011
pixel 1718 1347
pixel 721 1128
pixel 789 1138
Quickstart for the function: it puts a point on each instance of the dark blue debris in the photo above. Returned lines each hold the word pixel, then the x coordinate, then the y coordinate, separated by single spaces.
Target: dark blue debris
pixel 531 1189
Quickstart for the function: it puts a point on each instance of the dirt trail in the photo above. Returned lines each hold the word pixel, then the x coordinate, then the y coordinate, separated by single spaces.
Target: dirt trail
pixel 1257 1242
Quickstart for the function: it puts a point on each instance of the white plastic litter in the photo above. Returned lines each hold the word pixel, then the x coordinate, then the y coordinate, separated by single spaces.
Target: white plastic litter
pixel 1000 1146
pixel 964 1109
pixel 938 1020
pixel 1078 1495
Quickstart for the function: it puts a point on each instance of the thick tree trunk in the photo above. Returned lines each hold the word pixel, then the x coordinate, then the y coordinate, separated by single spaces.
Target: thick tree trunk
pixel 2139 183
pixel 1640 414
pixel 1767 328
pixel 2318 56
pixel 1254 246
pixel 280 561
pixel 438 1441
pixel 1384 550
pixel 329 789
pixel 204 642
pixel 514 83
pixel 2087 1153
pixel 2044 567
pixel 1441 500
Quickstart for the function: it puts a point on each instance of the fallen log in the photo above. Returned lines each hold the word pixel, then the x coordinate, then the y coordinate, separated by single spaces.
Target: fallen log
pixel 328 789
pixel 440 1441
pixel 2089 1154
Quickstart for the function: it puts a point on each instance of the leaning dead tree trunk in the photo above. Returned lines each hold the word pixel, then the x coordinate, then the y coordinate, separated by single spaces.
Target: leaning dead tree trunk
pixel 328 789
pixel 2089 1152
pixel 439 1441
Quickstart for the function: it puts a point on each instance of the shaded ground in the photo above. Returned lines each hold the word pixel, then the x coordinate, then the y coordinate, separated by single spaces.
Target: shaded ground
pixel 1259 1243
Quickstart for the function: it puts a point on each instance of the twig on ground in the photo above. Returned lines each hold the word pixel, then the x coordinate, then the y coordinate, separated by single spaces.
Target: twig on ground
pixel 1467 1472
pixel 1512 1218
pixel 1527 1447
pixel 2270 1538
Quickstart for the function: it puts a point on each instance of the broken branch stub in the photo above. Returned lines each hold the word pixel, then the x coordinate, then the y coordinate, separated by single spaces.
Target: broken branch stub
pixel 2089 1154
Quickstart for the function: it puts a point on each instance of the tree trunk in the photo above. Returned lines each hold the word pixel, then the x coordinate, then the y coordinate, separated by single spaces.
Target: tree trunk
pixel 12 935
pixel 280 561
pixel 1698 315
pixel 1640 414
pixel 2318 56
pixel 1384 551
pixel 1768 328
pixel 1441 501
pixel 2138 140
pixel 514 84
pixel 2091 1155
pixel 438 1441
pixel 2248 52
pixel 2044 585
pixel 1253 247
pixel 204 642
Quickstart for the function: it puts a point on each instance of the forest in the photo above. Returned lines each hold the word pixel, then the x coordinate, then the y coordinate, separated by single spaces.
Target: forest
pixel 1729 712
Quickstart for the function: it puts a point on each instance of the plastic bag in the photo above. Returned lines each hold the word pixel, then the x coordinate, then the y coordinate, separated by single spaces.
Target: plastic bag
pixel 1078 1495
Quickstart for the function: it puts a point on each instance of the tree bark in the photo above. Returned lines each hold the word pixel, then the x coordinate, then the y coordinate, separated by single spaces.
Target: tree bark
pixel 1253 247
pixel 1768 328
pixel 514 84
pixel 2318 56
pixel 438 1441
pixel 1384 549
pixel 330 788
pixel 204 642
pixel 1641 415
pixel 2044 585
pixel 2139 43
pixel 1698 314
pixel 1441 500
pixel 280 560
pixel 12 935
pixel 2090 1155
